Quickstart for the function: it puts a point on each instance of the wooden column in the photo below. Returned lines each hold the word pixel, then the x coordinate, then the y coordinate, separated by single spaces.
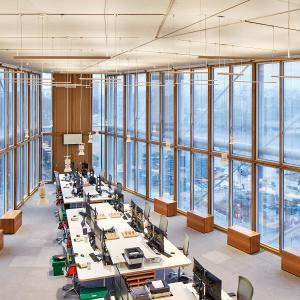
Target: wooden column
pixel 68 100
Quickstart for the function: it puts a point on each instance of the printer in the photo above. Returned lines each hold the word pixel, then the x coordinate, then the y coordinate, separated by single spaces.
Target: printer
pixel 134 257
pixel 158 289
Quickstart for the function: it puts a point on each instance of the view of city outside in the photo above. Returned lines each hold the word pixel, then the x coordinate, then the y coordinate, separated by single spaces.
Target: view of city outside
pixel 46 127
pixel 232 179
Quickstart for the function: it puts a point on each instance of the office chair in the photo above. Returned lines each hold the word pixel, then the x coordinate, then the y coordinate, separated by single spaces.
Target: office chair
pixel 181 276
pixel 163 224
pixel 71 272
pixel 245 290
pixel 147 211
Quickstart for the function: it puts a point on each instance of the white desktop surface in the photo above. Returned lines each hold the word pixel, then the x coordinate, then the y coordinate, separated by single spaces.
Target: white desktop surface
pixel 69 198
pixel 181 291
pixel 116 247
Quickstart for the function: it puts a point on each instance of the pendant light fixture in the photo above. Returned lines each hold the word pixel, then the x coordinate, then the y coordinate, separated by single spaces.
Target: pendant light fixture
pixel 68 168
pixel 90 141
pixel 81 145
pixel 81 149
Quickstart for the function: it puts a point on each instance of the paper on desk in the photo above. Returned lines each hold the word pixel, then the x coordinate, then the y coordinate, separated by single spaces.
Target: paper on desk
pixel 157 284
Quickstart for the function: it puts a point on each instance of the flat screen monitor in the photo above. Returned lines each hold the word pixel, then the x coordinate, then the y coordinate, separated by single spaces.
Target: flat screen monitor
pixel 213 286
pixel 158 239
pixel 120 286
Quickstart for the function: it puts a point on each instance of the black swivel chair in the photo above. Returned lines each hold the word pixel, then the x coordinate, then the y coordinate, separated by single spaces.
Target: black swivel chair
pixel 245 290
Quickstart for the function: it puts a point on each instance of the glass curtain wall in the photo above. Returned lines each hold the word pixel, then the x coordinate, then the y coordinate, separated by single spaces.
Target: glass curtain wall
pixel 219 139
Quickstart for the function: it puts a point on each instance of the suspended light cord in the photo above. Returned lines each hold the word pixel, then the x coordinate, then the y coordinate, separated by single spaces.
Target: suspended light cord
pixel 80 106
pixel 289 23
pixel 67 112
pixel 105 28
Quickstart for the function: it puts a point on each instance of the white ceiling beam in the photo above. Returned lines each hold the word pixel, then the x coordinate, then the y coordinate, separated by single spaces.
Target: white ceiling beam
pixel 171 3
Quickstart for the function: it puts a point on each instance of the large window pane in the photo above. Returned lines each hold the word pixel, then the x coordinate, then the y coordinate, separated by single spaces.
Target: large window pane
pixel 31 165
pixel 268 205
pixel 167 107
pixel 19 107
pixel 220 192
pixel 11 102
pixel 200 182
pixel 120 104
pixel 168 173
pixel 183 106
pixel 2 110
pixel 32 104
pixel 46 102
pixel 220 109
pixel 10 179
pixel 241 194
pixel 268 111
pixel 110 156
pixel 141 168
pixel 98 153
pixel 141 106
pixel 291 218
pixel 25 170
pixel 154 107
pixel 19 174
pixel 130 107
pixel 98 105
pixel 111 105
pixel 183 195
pixel 2 185
pixel 154 170
pixel 200 108
pixel 120 159
pixel 47 157
pixel 291 110
pixel 130 164
pixel 25 100
pixel 242 110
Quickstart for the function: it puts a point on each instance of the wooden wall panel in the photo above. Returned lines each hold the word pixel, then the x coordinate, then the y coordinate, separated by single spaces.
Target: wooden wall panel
pixel 69 100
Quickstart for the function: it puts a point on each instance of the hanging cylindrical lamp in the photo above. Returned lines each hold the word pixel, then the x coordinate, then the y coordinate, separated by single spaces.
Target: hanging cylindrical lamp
pixel 26 134
pixel 81 149
pixel 90 141
pixel 68 168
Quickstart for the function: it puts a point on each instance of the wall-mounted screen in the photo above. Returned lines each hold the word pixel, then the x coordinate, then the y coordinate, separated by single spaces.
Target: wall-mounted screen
pixel 72 139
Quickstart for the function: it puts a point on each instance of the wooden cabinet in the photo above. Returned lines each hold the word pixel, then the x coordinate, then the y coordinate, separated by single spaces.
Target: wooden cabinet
pixel 165 207
pixel 200 222
pixel 290 261
pixel 1 240
pixel 11 221
pixel 138 279
pixel 243 239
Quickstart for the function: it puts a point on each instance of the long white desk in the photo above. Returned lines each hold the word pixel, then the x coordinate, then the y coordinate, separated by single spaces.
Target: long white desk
pixel 69 198
pixel 182 291
pixel 116 248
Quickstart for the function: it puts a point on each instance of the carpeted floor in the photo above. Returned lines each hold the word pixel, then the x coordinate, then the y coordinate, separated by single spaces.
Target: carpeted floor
pixel 25 260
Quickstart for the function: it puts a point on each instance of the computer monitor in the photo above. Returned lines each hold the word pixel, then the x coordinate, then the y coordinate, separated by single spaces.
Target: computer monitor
pixel 98 237
pixel 109 182
pixel 84 168
pixel 213 286
pixel 158 239
pixel 137 220
pixel 203 278
pixel 120 286
pixel 98 185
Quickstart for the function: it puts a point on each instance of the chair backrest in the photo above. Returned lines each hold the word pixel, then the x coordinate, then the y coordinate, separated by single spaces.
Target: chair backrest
pixel 163 224
pixel 245 289
pixel 147 211
pixel 186 245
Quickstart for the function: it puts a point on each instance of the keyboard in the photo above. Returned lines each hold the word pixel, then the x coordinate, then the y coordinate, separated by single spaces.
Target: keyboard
pixel 94 257
pixel 128 215
pixel 125 218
